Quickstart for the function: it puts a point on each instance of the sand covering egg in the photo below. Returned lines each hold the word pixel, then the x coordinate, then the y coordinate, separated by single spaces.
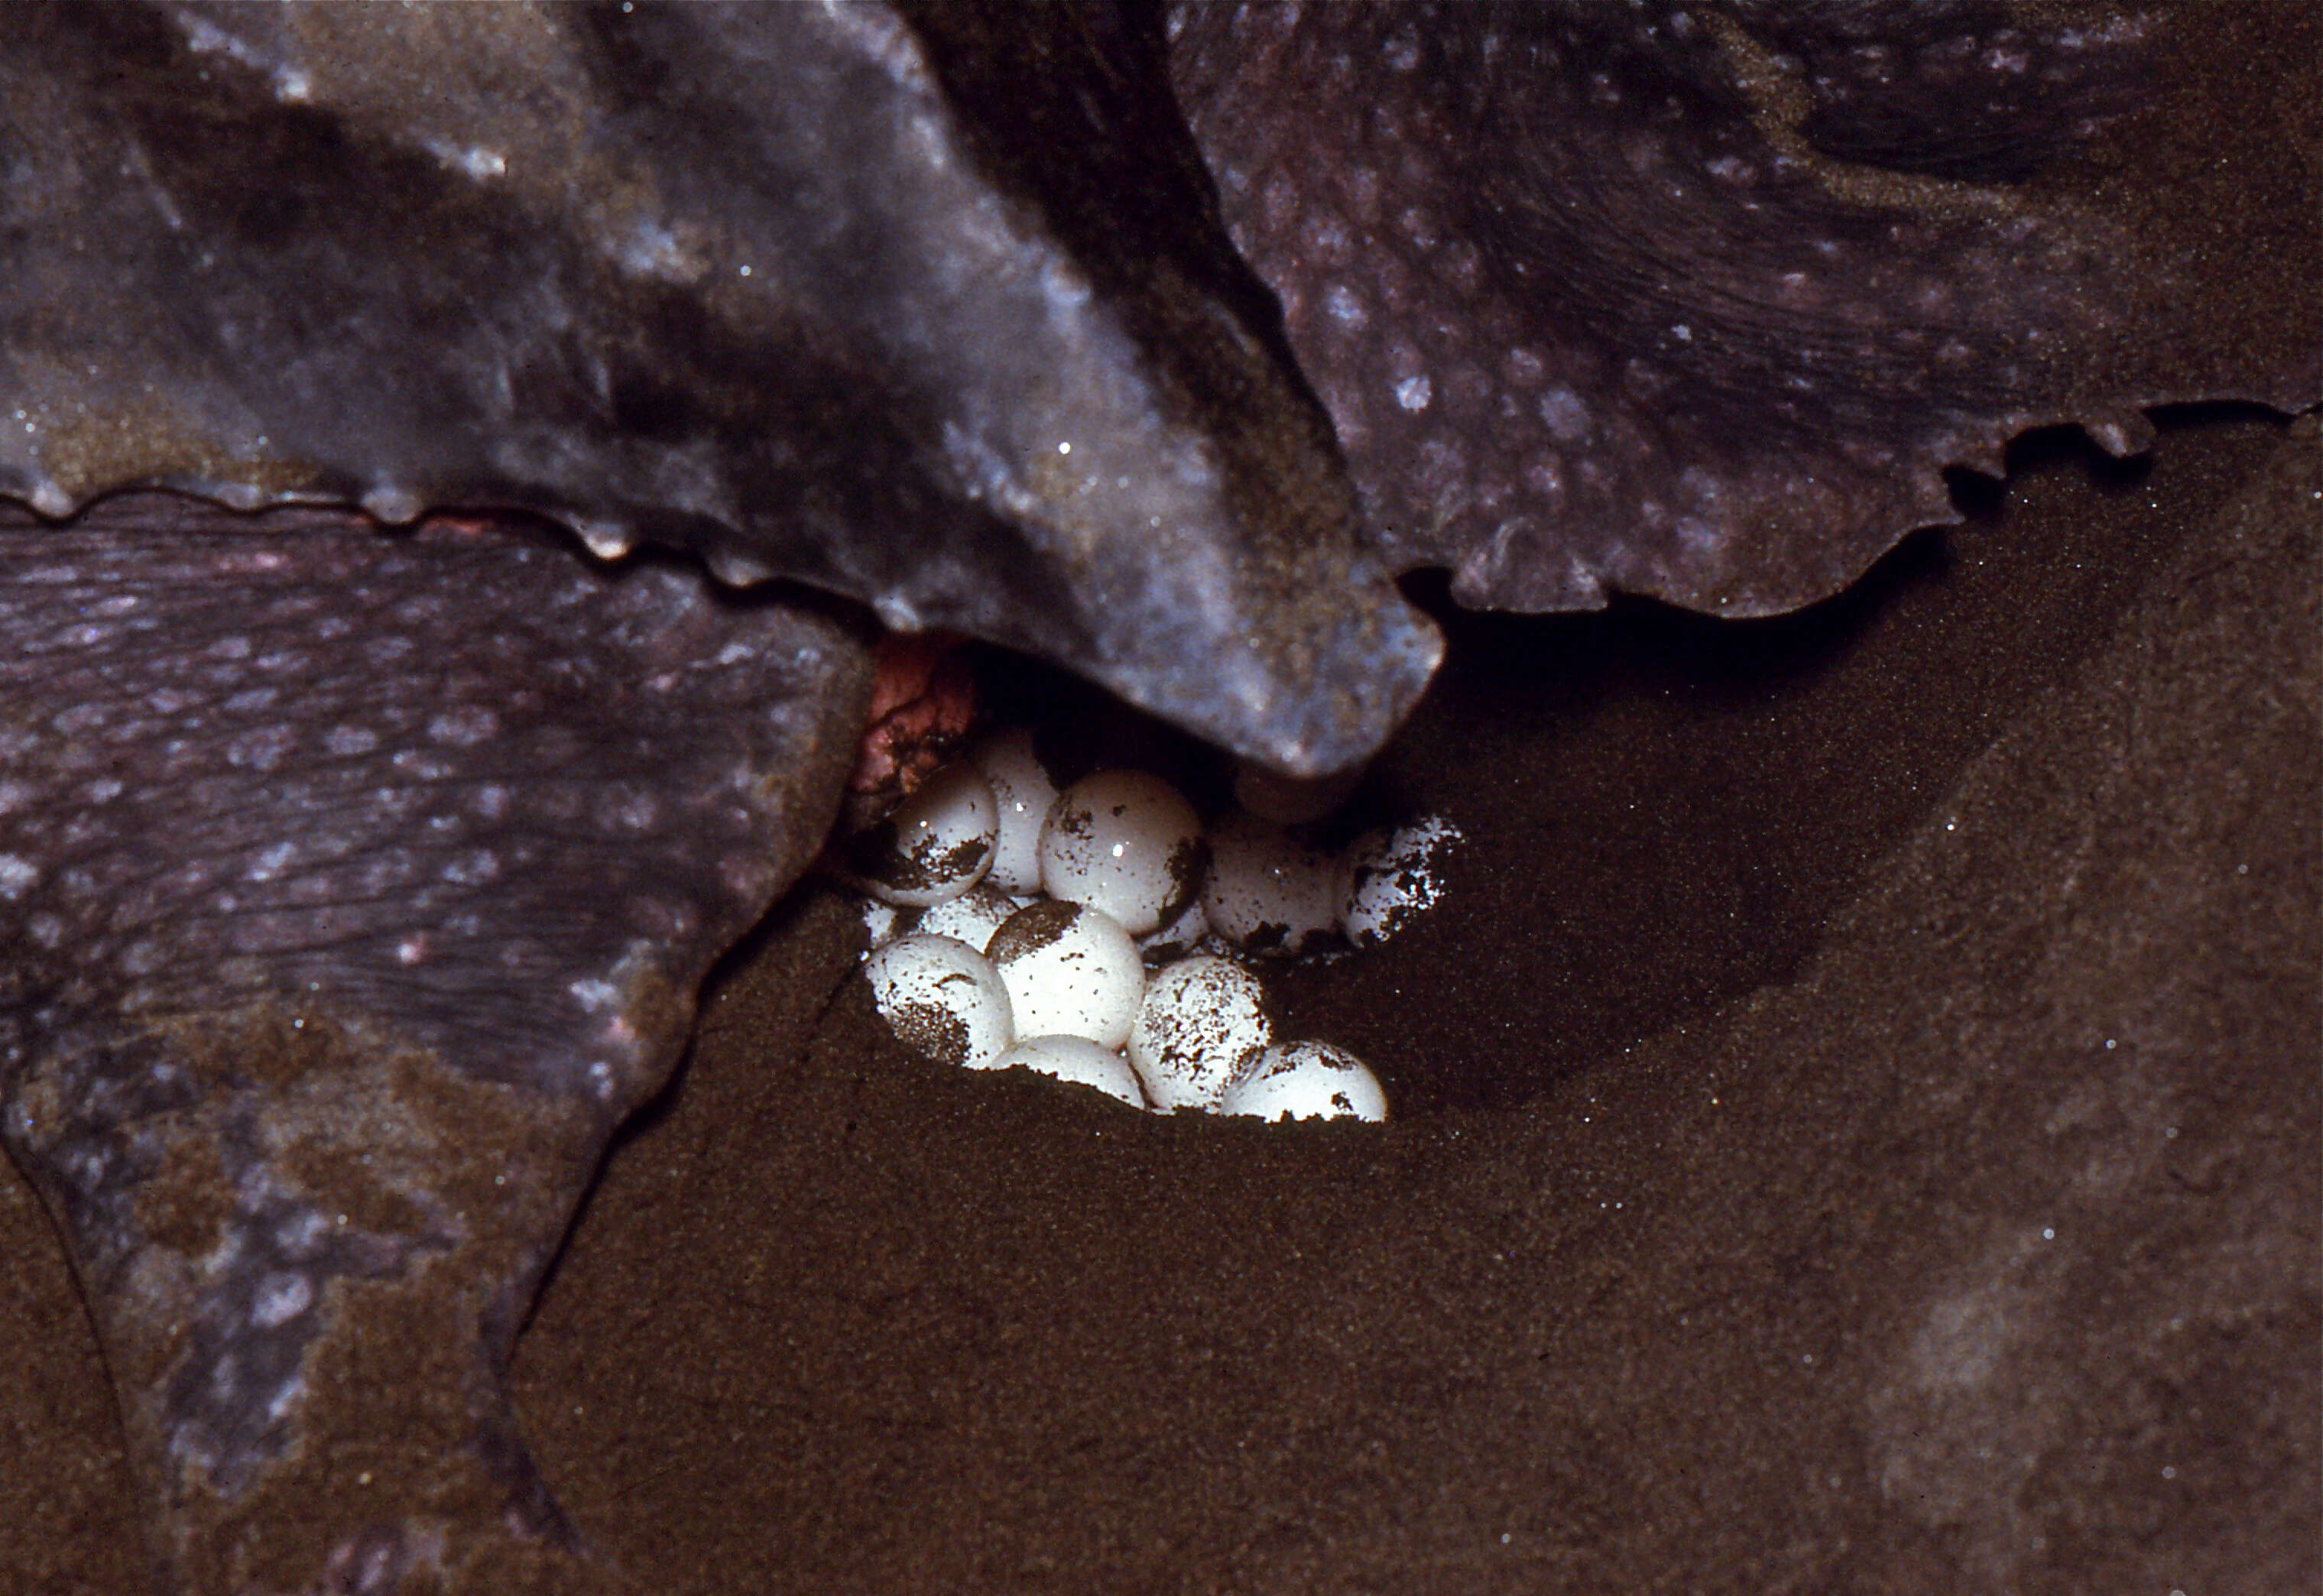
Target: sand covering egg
pixel 1201 1018
pixel 943 997
pixel 1070 970
pixel 1388 877
pixel 1077 1059
pixel 1304 1080
pixel 1267 891
pixel 971 918
pixel 936 844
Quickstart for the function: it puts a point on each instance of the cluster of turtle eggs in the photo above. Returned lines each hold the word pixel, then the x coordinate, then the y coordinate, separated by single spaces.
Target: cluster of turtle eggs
pixel 1076 933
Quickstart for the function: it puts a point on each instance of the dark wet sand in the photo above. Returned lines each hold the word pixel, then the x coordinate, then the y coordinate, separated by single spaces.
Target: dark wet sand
pixel 1860 1131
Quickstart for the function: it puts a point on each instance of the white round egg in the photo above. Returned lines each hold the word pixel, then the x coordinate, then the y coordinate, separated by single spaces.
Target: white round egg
pixel 971 918
pixel 1070 970
pixel 1023 792
pixel 1125 842
pixel 936 844
pixel 943 998
pixel 882 922
pixel 1201 1018
pixel 1305 1081
pixel 1267 892
pixel 1078 1059
pixel 1290 800
pixel 1388 877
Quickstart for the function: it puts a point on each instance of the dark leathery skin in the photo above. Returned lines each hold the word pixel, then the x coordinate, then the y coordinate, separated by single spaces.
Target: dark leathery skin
pixel 1698 301
pixel 353 887
pixel 932 311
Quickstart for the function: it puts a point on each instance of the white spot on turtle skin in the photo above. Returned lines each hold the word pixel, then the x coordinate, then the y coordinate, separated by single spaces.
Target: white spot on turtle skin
pixel 1327 240
pixel 594 994
pixel 474 161
pixel 472 869
pixel 1345 307
pixel 398 507
pixel 735 568
pixel 280 1298
pixel 269 864
pixel 1566 414
pixel 631 812
pixel 1696 536
pixel 418 767
pixel 464 726
pixel 15 875
pixel 262 749
pixel 1413 393
pixel 607 540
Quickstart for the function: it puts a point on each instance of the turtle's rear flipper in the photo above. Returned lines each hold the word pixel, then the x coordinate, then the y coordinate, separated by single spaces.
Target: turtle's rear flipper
pixel 353 888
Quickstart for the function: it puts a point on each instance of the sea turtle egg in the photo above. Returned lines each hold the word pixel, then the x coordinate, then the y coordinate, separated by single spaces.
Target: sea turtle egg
pixel 1290 800
pixel 1070 970
pixel 1267 892
pixel 1125 842
pixel 942 998
pixel 937 844
pixel 1201 1018
pixel 1022 790
pixel 1387 878
pixel 971 918
pixel 1305 1081
pixel 1078 1059
pixel 882 922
